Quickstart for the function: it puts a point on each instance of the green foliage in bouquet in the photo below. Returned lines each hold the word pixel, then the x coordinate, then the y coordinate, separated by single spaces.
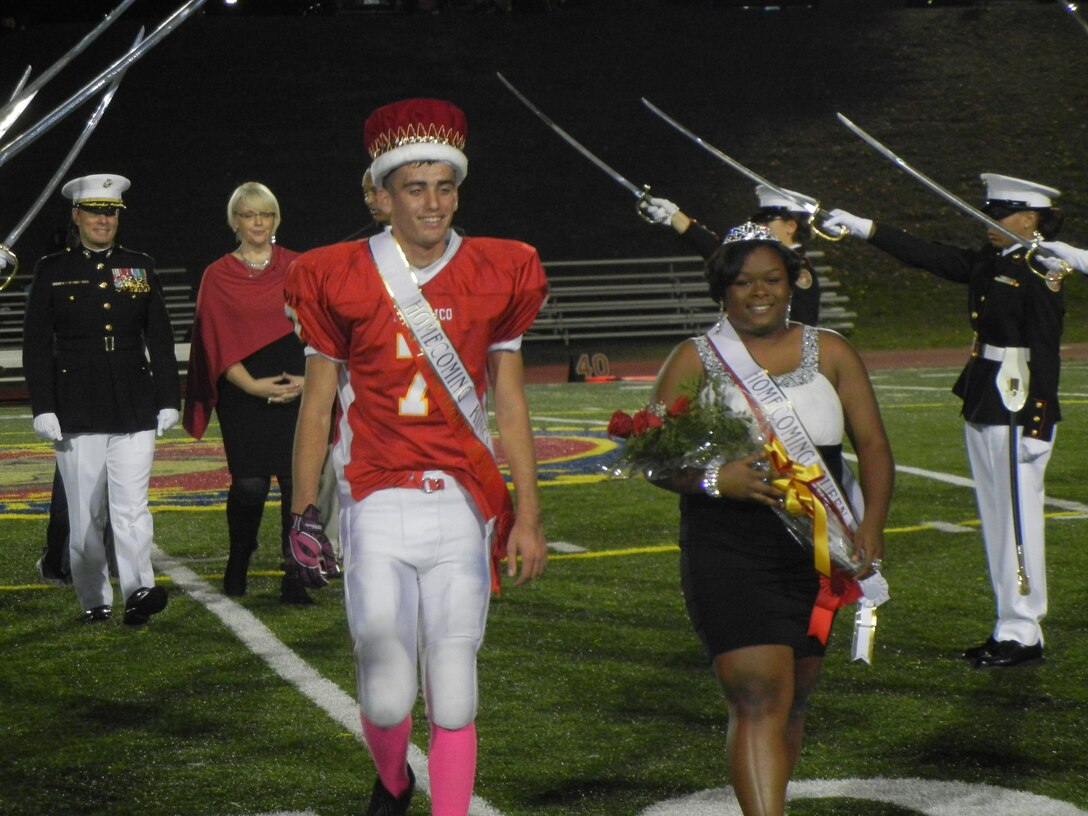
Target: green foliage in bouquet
pixel 697 427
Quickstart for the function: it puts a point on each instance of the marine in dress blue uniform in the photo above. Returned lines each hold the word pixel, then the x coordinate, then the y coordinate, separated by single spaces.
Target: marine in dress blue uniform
pixel 98 356
pixel 1015 311
pixel 779 214
pixel 791 225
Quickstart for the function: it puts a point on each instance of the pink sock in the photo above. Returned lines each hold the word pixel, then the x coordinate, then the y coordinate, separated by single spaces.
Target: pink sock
pixel 452 765
pixel 389 749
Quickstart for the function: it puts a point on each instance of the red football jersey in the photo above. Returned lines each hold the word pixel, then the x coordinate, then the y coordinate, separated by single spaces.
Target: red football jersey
pixel 488 292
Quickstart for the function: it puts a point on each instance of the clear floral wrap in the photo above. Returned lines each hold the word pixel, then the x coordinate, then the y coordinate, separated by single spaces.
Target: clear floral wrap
pixel 693 431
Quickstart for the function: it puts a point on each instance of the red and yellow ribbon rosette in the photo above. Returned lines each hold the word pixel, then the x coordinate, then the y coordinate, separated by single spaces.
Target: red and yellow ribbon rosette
pixel 798 499
pixel 838 588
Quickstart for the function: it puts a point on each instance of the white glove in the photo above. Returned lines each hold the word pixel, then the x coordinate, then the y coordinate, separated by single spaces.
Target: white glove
pixel 168 418
pixel 658 210
pixel 1076 258
pixel 860 227
pixel 1029 449
pixel 874 590
pixel 47 426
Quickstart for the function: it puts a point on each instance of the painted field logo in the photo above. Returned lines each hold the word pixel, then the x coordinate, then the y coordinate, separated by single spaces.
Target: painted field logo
pixel 189 474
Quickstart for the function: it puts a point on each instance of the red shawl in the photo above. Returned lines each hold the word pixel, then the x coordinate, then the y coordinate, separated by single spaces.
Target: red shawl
pixel 236 315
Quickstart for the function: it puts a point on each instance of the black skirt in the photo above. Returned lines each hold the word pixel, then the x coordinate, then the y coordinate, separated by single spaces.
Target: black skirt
pixel 746 580
pixel 258 437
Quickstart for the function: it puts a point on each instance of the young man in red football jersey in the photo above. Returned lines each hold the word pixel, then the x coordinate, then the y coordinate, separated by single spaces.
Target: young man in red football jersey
pixel 408 329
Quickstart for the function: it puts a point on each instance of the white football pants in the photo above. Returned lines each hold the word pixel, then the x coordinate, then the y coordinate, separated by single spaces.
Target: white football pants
pixel 416 582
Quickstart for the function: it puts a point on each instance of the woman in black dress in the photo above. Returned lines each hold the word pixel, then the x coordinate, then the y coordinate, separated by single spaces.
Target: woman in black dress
pixel 247 364
pixel 749 587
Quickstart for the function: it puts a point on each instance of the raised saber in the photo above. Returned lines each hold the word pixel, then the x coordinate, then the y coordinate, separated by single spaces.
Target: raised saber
pixel 7 255
pixel 804 206
pixel 1072 9
pixel 20 101
pixel 18 144
pixel 1031 246
pixel 16 105
pixel 637 192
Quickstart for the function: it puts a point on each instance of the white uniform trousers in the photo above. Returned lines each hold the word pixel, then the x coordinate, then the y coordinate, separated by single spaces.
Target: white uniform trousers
pixel 417 585
pixel 94 467
pixel 1018 616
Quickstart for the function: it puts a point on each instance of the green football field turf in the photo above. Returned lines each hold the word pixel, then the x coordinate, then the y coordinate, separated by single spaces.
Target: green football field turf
pixel 595 696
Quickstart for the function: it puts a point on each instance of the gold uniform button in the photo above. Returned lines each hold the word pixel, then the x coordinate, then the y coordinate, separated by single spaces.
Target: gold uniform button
pixel 974 315
pixel 103 285
pixel 109 327
pixel 71 297
pixel 107 305
pixel 1036 419
pixel 100 266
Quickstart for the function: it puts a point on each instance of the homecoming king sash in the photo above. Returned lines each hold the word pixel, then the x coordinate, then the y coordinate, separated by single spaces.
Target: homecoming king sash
pixel 802 473
pixel 452 387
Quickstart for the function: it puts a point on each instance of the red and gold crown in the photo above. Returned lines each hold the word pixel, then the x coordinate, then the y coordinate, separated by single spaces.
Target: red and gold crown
pixel 416 130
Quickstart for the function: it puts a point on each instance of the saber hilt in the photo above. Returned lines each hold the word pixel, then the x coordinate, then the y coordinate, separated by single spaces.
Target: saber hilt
pixel 842 233
pixel 7 258
pixel 641 200
pixel 1049 275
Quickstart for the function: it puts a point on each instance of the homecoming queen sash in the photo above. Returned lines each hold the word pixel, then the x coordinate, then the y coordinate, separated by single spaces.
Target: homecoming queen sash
pixel 451 386
pixel 809 486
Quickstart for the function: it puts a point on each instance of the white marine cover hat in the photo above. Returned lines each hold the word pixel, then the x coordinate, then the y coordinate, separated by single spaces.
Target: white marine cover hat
pixel 101 190
pixel 1017 193
pixel 794 202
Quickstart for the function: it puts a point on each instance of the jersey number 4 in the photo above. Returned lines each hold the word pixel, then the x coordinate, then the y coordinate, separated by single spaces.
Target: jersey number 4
pixel 414 402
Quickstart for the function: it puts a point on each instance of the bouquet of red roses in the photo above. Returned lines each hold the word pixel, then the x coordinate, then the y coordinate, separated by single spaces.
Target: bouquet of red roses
pixel 696 429
pixel 687 434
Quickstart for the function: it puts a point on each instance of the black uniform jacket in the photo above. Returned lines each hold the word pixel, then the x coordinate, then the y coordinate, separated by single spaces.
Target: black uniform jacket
pixel 1009 305
pixel 89 319
pixel 805 303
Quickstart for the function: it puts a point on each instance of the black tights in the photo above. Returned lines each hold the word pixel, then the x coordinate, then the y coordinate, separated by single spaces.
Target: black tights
pixel 245 507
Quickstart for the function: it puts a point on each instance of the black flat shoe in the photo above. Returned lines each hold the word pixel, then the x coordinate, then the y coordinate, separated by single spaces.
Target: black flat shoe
pixel 234 579
pixel 99 613
pixel 293 592
pixel 143 603
pixel 1010 653
pixel 975 652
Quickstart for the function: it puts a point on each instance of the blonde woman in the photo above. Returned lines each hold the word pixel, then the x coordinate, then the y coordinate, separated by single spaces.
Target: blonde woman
pixel 247 364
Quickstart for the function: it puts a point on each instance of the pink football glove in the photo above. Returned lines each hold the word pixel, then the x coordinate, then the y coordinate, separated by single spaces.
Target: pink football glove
pixel 307 544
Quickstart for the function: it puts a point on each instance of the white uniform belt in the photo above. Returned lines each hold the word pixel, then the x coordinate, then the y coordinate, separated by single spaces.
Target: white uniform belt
pixel 997 353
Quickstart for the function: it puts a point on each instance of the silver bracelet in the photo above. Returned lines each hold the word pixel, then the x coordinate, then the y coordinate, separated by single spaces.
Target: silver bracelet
pixel 710 477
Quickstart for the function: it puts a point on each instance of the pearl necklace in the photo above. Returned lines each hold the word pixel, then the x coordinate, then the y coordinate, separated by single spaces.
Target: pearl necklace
pixel 255 264
pixel 256 267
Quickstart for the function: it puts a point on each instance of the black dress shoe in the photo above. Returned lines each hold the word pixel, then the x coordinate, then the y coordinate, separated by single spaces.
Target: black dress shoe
pixel 293 592
pixel 975 652
pixel 99 613
pixel 1010 653
pixel 143 603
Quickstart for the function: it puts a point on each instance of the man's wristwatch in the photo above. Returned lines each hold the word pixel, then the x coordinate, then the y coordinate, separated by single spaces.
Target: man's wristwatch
pixel 710 477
